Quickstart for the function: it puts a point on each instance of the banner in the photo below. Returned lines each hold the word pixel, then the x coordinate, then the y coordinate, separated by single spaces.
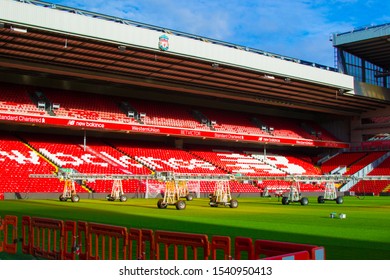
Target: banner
pixel 169 131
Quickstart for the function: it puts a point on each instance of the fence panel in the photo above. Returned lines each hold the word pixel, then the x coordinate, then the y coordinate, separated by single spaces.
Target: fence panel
pixel 243 245
pixel 106 242
pixel 303 255
pixel 47 238
pixel 71 248
pixel 221 243
pixel 70 240
pixel 1 234
pixel 82 240
pixel 10 242
pixel 268 248
pixel 26 233
pixel 197 242
pixel 134 241
pixel 148 248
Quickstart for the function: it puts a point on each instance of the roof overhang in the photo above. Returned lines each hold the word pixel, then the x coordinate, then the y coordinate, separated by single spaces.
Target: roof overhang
pixel 40 39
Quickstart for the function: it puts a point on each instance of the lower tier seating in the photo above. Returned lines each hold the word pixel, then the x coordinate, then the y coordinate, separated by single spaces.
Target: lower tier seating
pixel 25 154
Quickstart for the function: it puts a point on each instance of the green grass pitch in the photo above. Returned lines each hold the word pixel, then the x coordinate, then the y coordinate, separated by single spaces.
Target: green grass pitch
pixel 363 234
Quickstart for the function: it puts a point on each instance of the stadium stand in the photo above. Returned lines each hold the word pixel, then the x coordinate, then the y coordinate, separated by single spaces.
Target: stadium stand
pixel 375 186
pixel 18 160
pixel 137 89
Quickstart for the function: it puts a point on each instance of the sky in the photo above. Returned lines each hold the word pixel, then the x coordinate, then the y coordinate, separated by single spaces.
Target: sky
pixel 299 29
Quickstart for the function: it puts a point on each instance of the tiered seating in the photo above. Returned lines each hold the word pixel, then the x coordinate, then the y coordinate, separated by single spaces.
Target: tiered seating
pixel 18 161
pixel 15 99
pixel 237 162
pixel 67 152
pixel 158 157
pixel 320 133
pixel 342 159
pixel 86 106
pixel 253 164
pixel 284 127
pixel 121 162
pixel 375 186
pixel 363 162
pixel 231 121
pixel 292 165
pixel 166 114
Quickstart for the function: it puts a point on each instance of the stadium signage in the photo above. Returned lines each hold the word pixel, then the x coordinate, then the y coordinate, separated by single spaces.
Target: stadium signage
pixel 85 124
pixel 229 136
pixel 163 42
pixel 21 118
pixel 162 130
pixel 190 132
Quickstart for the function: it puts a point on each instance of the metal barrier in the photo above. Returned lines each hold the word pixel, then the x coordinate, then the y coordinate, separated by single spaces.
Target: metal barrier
pixel 70 240
pixel 243 245
pixel 197 242
pixel 47 238
pixel 221 243
pixel 82 240
pixel 134 241
pixel 148 245
pixel 71 248
pixel 106 242
pixel 8 228
pixel 268 248
pixel 303 255
pixel 1 234
pixel 26 233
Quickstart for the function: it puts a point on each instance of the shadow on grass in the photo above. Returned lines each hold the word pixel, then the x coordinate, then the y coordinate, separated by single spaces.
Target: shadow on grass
pixel 147 215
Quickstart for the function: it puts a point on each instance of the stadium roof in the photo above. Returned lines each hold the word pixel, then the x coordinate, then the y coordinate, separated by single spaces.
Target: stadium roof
pixel 371 43
pixel 55 41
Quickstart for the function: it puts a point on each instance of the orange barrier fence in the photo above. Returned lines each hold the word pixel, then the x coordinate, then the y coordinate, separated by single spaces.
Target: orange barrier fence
pixel 198 243
pixel 243 245
pixel 8 234
pixel 70 240
pixel 148 245
pixel 304 255
pixel 47 238
pixel 106 242
pixel 268 248
pixel 221 243
pixel 71 246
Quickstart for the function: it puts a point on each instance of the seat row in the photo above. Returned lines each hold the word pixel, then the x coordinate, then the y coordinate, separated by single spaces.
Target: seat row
pixel 87 106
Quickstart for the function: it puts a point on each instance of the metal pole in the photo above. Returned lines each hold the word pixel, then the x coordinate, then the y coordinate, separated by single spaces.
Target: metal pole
pixel 85 140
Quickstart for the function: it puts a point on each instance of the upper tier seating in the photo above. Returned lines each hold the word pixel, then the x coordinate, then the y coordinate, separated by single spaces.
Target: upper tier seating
pixel 284 127
pixel 166 114
pixel 15 99
pixel 229 121
pixel 86 106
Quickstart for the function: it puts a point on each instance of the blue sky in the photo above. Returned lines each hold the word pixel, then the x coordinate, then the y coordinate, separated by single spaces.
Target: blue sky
pixel 297 28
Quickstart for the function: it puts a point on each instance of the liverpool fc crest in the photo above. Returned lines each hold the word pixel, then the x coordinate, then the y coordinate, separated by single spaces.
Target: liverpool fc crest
pixel 163 42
